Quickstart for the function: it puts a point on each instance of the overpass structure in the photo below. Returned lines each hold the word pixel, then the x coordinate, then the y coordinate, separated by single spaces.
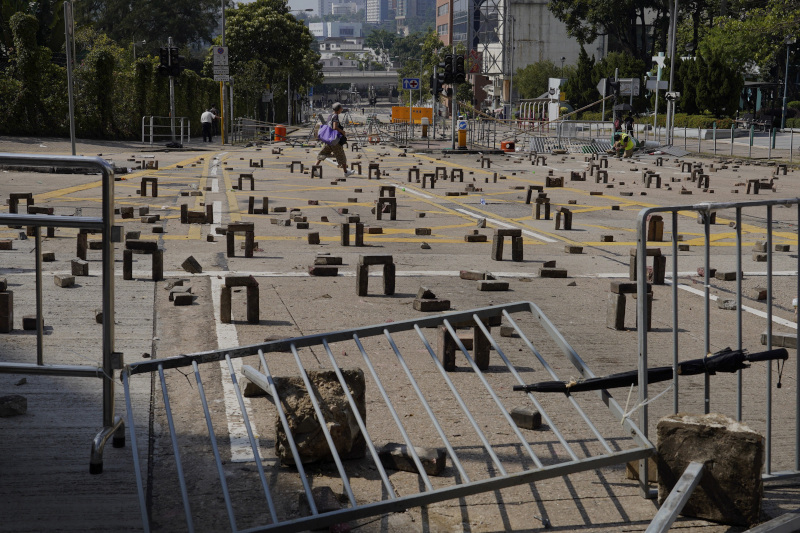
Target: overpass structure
pixel 362 77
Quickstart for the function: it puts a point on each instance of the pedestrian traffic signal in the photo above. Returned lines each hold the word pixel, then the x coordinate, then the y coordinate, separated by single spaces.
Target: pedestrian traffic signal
pixel 163 67
pixel 176 62
pixel 460 75
pixel 436 84
pixel 448 68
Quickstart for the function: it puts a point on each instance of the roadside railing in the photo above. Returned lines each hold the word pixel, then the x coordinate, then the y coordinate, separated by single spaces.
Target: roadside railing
pixel 111 361
pixel 159 129
pixel 784 434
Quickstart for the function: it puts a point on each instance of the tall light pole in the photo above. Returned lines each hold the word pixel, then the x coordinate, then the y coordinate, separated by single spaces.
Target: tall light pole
pixel 289 98
pixel 562 66
pixel 673 19
pixel 788 40
pixel 141 43
pixel 69 33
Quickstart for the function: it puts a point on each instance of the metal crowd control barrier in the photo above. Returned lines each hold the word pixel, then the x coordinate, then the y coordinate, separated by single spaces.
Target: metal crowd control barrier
pixel 468 409
pixel 112 425
pixel 706 211
pixel 159 129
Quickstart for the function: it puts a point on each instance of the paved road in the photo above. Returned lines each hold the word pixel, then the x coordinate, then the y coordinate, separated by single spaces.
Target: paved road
pixel 43 455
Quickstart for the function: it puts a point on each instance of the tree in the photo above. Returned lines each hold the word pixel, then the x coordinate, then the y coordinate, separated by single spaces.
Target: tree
pixel 719 87
pixel 186 21
pixel 532 81
pixel 265 32
pixel 581 88
pixel 689 74
pixel 382 42
pixel 625 22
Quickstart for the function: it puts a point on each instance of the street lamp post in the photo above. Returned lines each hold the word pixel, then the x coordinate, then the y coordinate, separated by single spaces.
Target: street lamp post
pixel 289 98
pixel 788 40
pixel 141 43
pixel 562 66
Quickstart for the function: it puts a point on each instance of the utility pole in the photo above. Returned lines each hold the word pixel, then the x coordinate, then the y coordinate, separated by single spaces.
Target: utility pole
pixel 171 92
pixel 223 96
pixel 68 30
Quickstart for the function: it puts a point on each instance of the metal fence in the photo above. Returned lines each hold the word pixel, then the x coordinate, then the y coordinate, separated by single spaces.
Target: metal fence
pixel 414 398
pixel 761 215
pixel 112 425
pixel 160 129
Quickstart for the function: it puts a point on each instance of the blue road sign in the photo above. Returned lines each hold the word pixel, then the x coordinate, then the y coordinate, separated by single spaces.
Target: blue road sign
pixel 410 84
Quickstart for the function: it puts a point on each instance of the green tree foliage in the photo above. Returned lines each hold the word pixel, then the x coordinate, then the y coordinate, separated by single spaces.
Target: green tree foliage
pixel 423 53
pixel 581 88
pixel 186 21
pixel 382 42
pixel 29 60
pixel 689 75
pixel 625 22
pixel 266 46
pixel 532 81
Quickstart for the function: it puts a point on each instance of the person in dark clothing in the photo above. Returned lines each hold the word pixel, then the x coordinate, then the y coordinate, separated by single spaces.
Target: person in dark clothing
pixel 629 124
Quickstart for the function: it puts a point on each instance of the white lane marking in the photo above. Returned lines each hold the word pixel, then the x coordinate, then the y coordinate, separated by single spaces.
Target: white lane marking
pixel 752 311
pixel 506 225
pixel 215 183
pixel 412 191
pixel 217 208
pixel 241 451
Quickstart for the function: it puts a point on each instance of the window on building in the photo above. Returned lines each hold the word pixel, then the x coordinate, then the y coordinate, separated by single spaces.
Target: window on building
pixel 346 31
pixel 443 29
pixel 444 9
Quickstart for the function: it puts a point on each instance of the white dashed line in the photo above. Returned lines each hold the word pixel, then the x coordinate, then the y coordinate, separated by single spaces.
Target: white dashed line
pixel 241 451
pixel 506 225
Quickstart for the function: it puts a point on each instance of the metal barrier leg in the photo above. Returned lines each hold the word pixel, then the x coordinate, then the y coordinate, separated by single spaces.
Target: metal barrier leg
pixel 117 431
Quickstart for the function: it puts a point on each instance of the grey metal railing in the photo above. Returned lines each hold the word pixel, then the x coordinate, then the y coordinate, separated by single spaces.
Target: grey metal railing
pixel 400 363
pixel 112 425
pixel 159 129
pixel 706 211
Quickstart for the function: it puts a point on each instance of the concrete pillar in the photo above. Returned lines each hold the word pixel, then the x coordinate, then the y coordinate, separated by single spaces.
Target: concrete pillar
pixel 481 347
pixel 516 249
pixel 362 279
pixel 497 248
pixel 446 349
pixel 615 313
pixel 249 243
pixel 184 213
pixel 389 271
pixel 359 241
pixel 345 234
pixel 6 311
pixel 225 305
pixel 158 265
pixel 230 236
pixel 252 304
pixel 127 264
pixel 83 245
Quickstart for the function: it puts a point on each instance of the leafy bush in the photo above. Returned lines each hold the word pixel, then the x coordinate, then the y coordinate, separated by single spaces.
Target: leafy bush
pixel 794 104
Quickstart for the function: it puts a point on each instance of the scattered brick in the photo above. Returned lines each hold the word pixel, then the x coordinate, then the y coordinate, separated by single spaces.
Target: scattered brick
pixel 572 249
pixel 782 248
pixel 422 231
pixel 492 285
pixel 327 260
pixel 48 257
pixel 323 270
pixel 430 305
pixel 725 276
pixel 526 418
pixel 183 299
pixel 552 272
pixel 192 265
pixel 80 267
pixel 62 280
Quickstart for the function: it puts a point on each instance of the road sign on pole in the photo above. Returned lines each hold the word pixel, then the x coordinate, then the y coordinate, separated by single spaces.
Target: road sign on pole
pixel 628 86
pixel 411 84
pixel 221 56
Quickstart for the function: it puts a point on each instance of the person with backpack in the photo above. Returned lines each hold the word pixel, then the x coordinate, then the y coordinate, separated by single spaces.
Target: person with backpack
pixel 333 143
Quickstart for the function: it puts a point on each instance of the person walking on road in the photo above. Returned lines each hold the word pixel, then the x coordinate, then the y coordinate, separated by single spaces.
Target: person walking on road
pixel 337 150
pixel 207 120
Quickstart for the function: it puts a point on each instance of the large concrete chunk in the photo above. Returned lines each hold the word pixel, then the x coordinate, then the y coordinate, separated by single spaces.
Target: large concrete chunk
pixel 339 417
pixel 13 405
pixel 731 489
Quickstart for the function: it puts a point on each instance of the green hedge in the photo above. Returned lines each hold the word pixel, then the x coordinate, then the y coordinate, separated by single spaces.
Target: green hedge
pixel 681 120
pixel 111 94
pixel 793 122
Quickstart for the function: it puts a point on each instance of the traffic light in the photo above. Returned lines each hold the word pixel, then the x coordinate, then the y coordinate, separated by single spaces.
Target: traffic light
pixel 448 68
pixel 613 87
pixel 460 75
pixel 436 85
pixel 176 62
pixel 163 67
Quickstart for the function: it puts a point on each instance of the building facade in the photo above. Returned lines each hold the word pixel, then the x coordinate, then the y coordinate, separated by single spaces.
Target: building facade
pixel 336 30
pixel 377 11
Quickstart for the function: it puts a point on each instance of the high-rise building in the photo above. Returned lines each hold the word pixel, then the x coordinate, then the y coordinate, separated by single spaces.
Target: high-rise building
pixel 377 11
pixel 444 20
